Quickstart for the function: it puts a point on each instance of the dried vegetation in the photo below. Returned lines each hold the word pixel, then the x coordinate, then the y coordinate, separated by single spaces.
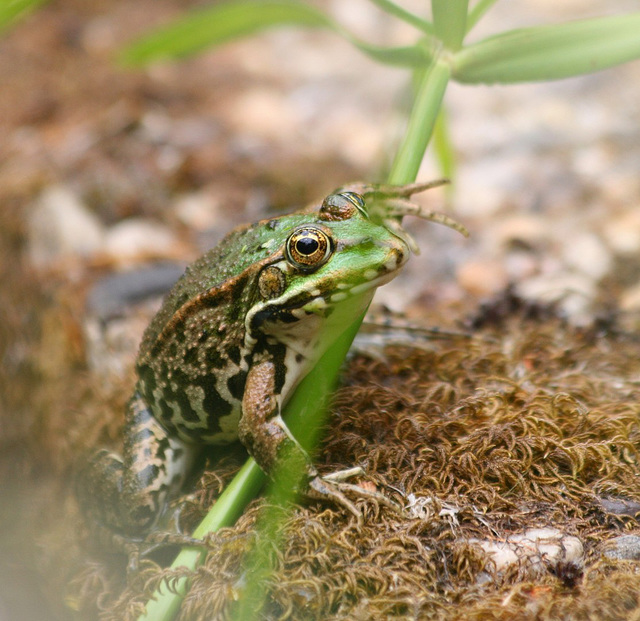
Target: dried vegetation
pixel 528 424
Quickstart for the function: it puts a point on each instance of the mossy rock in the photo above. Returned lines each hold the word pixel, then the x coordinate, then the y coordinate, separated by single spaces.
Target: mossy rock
pixel 527 424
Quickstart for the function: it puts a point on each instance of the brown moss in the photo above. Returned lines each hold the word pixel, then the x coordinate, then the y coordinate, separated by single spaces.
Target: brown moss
pixel 527 424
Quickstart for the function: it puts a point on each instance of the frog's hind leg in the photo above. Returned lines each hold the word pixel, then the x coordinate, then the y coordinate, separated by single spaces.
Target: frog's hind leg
pixel 128 494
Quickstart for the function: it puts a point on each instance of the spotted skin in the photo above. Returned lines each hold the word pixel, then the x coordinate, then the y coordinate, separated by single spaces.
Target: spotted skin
pixel 239 330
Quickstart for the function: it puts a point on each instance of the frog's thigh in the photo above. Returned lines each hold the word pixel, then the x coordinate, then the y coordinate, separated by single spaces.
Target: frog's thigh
pixel 156 464
pixel 129 493
pixel 261 429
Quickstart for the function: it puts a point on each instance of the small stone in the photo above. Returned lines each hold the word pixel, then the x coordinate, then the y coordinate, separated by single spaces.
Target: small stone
pixel 521 230
pixel 572 292
pixel 198 210
pixel 620 506
pixel 112 295
pixel 630 299
pixel 60 226
pixel 139 238
pixel 541 547
pixel 119 308
pixel 625 547
pixel 267 114
pixel 587 254
pixel 623 233
pixel 482 277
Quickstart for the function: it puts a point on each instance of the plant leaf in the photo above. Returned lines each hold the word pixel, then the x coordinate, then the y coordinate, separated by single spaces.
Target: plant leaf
pixel 215 25
pixel 450 21
pixel 476 13
pixel 550 52
pixel 403 14
pixel 12 10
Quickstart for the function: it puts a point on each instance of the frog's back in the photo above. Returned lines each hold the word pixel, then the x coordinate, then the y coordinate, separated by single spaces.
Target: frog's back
pixel 214 274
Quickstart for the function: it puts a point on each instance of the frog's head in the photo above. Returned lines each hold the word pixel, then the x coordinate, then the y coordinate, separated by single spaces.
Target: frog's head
pixel 353 244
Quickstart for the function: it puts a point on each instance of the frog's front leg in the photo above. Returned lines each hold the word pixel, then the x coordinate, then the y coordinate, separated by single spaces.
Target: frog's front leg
pixel 267 438
pixel 128 494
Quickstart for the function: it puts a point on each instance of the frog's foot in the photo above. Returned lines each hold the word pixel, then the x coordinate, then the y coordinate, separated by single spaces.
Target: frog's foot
pixel 333 487
pixel 343 475
pixel 155 542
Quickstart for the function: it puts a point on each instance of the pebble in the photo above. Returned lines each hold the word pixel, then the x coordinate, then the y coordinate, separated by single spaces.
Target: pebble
pixel 541 547
pixel 587 254
pixel 620 506
pixel 119 308
pixel 630 299
pixel 60 227
pixel 198 210
pixel 112 295
pixel 625 547
pixel 572 292
pixel 136 238
pixel 482 277
pixel 521 229
pixel 623 233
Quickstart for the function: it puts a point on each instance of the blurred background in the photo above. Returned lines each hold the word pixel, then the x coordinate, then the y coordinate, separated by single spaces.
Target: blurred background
pixel 113 179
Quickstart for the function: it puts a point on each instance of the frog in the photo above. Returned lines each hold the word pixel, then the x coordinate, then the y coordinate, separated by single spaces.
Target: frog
pixel 233 339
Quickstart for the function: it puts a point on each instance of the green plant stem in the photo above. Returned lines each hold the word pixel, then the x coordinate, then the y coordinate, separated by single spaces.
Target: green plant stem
pixel 165 604
pixel 421 123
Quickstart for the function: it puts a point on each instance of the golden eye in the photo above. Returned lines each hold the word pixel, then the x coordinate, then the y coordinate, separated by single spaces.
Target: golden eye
pixel 308 248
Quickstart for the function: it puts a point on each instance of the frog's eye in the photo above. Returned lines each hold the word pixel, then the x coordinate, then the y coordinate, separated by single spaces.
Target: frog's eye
pixel 342 206
pixel 308 248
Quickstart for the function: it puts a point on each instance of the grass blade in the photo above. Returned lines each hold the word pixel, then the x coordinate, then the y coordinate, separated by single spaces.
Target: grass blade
pixel 245 486
pixel 12 10
pixel 450 21
pixel 476 13
pixel 397 11
pixel 550 52
pixel 215 25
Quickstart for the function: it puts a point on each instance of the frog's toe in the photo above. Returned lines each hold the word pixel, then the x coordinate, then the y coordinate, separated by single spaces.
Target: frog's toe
pixel 339 478
pixel 369 494
pixel 343 475
pixel 333 488
pixel 323 489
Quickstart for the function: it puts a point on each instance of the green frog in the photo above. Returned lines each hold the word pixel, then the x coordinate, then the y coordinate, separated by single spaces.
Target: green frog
pixel 234 337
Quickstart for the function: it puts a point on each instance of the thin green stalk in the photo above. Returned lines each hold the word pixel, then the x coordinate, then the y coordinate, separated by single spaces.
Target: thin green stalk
pixel 421 123
pixel 164 604
pixel 443 148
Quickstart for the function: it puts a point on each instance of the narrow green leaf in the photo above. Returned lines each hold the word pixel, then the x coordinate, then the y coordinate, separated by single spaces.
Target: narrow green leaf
pixel 12 10
pixel 443 148
pixel 550 52
pixel 397 11
pixel 450 21
pixel 476 13
pixel 221 23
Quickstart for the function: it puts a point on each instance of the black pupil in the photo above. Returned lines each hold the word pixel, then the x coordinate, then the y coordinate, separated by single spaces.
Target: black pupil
pixel 307 245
